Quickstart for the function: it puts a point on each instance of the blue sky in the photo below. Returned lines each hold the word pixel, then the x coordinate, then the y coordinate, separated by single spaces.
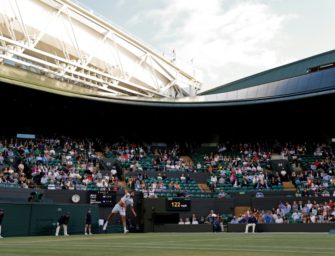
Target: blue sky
pixel 226 39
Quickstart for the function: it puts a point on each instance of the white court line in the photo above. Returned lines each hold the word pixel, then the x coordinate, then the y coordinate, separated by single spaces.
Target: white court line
pixel 207 249
pixel 250 248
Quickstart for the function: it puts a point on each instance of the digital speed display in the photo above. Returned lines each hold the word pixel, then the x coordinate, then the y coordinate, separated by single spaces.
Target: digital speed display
pixel 178 204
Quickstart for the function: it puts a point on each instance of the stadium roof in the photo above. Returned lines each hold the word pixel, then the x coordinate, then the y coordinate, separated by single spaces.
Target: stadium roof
pixel 290 70
pixel 63 41
pixel 69 51
pixel 316 82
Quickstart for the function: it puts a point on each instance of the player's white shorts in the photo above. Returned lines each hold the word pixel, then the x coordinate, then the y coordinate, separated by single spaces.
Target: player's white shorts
pixel 118 209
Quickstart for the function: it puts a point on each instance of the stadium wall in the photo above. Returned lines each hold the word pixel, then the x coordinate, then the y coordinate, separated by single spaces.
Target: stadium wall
pixel 155 212
pixel 301 227
pixel 20 195
pixel 240 228
pixel 24 219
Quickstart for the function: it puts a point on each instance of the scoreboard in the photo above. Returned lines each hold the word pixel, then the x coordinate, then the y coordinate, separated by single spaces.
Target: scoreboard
pixel 178 204
pixel 103 198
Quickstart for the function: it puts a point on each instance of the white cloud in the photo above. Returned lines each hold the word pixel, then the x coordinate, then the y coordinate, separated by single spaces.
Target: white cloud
pixel 218 36
pixel 119 3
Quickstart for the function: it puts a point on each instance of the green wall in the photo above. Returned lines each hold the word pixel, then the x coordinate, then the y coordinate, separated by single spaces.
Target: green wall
pixel 41 219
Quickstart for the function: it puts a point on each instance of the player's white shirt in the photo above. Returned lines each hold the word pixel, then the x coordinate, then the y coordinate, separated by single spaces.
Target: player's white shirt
pixel 127 200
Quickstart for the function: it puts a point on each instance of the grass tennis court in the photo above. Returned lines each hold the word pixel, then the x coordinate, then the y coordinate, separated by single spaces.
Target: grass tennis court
pixel 172 244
